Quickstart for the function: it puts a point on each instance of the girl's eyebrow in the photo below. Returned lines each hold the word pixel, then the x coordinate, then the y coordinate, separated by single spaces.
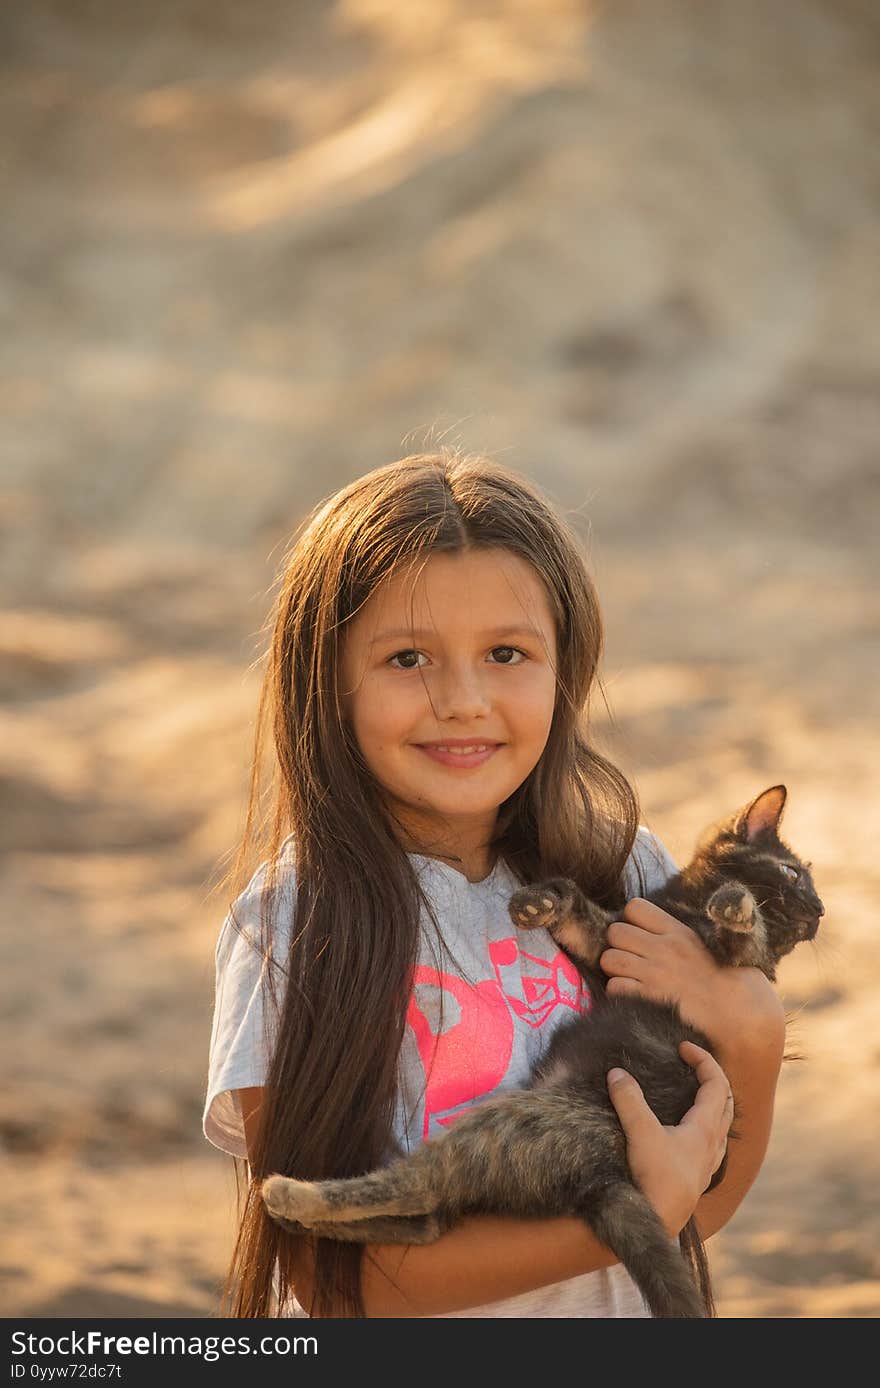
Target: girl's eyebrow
pixel 496 632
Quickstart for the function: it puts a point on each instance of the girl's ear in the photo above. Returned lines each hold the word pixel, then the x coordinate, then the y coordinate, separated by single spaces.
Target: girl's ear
pixel 763 813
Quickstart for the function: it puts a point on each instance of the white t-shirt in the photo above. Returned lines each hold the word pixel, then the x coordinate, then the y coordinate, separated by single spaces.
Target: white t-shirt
pixel 474 1027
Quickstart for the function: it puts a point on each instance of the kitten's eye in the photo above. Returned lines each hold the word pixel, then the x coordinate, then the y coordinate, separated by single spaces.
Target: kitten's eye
pixel 789 871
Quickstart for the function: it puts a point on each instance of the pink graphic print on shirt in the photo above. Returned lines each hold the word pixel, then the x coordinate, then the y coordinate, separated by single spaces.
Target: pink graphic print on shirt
pixel 470 1058
pixel 558 983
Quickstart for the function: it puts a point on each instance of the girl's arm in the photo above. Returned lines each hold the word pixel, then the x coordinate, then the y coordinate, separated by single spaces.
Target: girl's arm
pixel 483 1259
pixel 488 1258
pixel 654 955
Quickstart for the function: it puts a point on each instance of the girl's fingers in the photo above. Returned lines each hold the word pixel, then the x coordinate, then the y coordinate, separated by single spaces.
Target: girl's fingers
pixel 621 963
pixel 622 935
pixel 714 1100
pixel 630 1104
pixel 703 1062
pixel 618 987
pixel 644 913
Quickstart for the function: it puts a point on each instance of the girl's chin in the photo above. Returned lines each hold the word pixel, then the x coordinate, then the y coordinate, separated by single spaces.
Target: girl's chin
pixel 462 796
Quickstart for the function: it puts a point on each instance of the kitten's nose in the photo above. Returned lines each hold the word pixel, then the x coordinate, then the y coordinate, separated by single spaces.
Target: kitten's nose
pixel 820 910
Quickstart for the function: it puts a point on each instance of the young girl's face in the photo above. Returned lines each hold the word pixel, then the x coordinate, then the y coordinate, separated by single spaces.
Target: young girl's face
pixel 463 654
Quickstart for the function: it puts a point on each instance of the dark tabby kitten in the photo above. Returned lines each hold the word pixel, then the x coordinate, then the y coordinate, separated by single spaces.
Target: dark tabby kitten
pixel 556 1147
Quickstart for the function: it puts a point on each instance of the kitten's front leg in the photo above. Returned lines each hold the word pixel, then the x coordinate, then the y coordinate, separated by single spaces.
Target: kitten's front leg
pixel 735 932
pixel 575 922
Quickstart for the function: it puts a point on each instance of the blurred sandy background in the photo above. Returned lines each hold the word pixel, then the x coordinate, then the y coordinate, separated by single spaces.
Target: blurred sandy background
pixel 250 251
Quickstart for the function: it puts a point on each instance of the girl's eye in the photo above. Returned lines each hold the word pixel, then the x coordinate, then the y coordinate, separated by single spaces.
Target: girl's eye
pixel 405 655
pixel 514 650
pixel 402 654
pixel 789 871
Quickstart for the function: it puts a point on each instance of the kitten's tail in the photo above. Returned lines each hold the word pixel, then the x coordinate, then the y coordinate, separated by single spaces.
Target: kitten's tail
pixel 625 1222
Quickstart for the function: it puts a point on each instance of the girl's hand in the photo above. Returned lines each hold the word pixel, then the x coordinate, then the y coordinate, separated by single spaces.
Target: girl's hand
pixel 655 956
pixel 672 1166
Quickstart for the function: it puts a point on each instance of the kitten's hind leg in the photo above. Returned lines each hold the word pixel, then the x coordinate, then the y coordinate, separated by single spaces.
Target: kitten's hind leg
pixel 390 1229
pixel 735 933
pixel 394 1190
pixel 575 922
pixel 293 1202
pixel 382 1229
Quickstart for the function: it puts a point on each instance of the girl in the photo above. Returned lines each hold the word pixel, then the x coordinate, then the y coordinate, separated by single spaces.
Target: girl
pixel 436 640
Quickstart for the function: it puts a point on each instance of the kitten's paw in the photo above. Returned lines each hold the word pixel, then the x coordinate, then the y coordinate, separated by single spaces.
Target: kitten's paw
pixel 732 907
pixel 294 1202
pixel 541 907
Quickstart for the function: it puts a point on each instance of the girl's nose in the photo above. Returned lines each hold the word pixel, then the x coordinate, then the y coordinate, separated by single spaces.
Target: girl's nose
pixel 461 696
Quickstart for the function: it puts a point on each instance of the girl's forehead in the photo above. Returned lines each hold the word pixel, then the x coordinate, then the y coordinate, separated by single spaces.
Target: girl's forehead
pixel 492 586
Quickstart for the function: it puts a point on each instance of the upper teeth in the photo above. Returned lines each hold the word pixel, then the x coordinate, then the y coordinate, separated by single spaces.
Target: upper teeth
pixel 463 751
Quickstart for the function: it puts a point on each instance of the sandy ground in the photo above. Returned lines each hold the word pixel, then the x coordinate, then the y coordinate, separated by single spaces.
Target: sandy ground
pixel 254 254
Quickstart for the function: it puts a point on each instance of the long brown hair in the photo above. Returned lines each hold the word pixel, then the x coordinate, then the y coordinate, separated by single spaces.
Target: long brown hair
pixel 342 994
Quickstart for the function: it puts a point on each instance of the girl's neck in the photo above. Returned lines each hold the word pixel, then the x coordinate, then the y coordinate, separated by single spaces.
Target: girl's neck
pixel 474 868
pixel 474 862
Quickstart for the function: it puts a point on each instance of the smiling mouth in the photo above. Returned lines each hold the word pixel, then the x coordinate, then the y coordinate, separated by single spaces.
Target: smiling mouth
pixel 465 755
pixel 458 748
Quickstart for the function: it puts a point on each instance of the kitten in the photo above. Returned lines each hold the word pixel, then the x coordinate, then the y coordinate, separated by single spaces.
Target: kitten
pixel 556 1147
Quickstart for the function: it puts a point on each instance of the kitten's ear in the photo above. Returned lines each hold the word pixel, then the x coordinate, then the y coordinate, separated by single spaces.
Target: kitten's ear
pixel 763 813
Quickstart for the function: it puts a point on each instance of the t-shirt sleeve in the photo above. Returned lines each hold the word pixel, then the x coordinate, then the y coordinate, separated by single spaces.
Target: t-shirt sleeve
pixel 649 864
pixel 240 1049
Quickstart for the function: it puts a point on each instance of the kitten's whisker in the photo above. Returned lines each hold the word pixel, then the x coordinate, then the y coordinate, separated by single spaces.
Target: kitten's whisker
pixel 827 951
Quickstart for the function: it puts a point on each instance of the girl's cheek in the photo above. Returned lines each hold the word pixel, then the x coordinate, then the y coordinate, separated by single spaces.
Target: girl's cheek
pixel 394 705
pixel 538 701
